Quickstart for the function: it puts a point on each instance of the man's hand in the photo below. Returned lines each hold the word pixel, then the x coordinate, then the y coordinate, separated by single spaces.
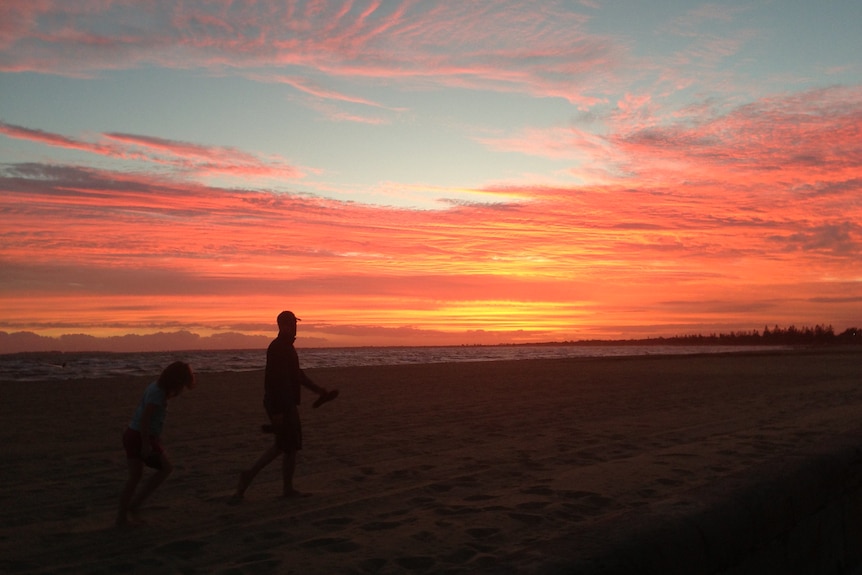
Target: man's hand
pixel 325 397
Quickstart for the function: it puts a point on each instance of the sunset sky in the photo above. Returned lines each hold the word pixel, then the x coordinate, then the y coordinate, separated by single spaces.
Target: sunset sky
pixel 423 172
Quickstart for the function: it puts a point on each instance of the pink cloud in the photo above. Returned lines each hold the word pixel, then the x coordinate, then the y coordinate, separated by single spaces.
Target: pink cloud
pixel 595 160
pixel 186 158
pixel 534 237
pixel 690 23
pixel 779 141
pixel 22 133
pixel 466 44
pixel 804 143
pixel 309 87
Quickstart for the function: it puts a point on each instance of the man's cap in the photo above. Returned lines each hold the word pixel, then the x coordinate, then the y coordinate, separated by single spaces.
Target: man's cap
pixel 286 316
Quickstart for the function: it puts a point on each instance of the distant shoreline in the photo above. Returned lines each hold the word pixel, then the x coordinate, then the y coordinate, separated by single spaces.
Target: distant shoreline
pixel 653 342
pixel 704 341
pixel 777 336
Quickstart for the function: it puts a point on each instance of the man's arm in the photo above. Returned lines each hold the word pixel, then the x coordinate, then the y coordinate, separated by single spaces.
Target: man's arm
pixel 307 383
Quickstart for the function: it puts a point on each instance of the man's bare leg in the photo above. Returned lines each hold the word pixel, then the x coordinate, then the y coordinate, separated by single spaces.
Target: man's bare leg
pixel 288 469
pixel 247 476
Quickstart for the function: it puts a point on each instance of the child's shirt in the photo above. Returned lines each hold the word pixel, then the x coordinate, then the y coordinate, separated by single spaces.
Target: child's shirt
pixel 154 395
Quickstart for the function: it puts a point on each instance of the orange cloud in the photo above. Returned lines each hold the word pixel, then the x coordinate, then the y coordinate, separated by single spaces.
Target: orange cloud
pixel 124 251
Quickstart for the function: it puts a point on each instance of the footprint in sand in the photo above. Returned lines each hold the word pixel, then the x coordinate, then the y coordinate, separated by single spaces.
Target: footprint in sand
pixel 333 544
pixel 460 556
pixel 184 549
pixel 538 490
pixel 482 533
pixel 589 496
pixel 366 472
pixel 527 518
pixel 373 565
pixel 455 510
pixel 417 563
pixel 425 536
pixel 423 502
pixel 271 535
pixel 381 525
pixel 480 497
pixel 400 474
pixel 533 505
pixel 259 563
pixel 334 522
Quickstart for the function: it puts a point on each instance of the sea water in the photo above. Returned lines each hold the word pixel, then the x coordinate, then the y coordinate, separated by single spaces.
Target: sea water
pixel 43 366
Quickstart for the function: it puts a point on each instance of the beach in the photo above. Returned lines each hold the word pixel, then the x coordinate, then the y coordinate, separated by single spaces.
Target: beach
pixel 532 466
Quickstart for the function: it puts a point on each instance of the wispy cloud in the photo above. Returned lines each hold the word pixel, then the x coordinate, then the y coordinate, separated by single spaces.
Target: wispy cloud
pixel 800 144
pixel 57 140
pixel 692 21
pixel 462 44
pixel 183 157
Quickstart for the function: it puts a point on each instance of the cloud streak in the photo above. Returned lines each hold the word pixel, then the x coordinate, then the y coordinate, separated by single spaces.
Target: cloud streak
pixel 468 44
pixel 182 157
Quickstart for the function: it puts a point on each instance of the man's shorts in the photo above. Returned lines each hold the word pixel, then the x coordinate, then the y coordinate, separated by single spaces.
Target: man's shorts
pixel 132 444
pixel 288 437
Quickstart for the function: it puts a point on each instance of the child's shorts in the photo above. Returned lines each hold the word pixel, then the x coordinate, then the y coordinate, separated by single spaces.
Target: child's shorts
pixel 132 444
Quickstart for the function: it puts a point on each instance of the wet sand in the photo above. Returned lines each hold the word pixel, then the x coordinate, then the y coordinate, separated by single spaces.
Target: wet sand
pixel 497 467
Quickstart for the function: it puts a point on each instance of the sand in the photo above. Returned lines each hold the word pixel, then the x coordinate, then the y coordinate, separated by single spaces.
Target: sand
pixel 497 467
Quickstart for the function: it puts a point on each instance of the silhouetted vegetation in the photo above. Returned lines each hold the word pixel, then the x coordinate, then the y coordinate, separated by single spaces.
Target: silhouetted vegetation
pixel 817 335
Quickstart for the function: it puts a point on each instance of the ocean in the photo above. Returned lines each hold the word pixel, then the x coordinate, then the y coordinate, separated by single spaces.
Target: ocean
pixel 44 366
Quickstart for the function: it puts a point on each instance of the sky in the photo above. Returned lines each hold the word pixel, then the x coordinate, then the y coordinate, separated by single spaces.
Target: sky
pixel 425 172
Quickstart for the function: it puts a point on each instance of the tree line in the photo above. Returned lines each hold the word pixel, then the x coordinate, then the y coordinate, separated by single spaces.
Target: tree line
pixel 792 335
pixel 817 335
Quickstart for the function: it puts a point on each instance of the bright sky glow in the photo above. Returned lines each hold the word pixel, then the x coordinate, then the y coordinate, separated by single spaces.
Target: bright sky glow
pixel 405 172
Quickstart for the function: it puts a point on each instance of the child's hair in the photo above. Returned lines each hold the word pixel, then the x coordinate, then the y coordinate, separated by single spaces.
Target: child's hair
pixel 177 376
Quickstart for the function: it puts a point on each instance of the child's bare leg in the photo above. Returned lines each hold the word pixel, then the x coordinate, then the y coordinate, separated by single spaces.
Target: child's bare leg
pixel 151 484
pixel 136 469
pixel 247 476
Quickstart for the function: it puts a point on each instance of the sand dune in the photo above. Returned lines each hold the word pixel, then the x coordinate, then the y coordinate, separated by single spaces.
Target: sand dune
pixel 501 467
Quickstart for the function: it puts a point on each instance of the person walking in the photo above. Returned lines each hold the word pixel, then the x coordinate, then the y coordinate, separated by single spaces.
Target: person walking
pixel 283 381
pixel 141 439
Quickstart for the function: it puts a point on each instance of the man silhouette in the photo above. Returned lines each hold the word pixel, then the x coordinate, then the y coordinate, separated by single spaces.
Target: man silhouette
pixel 283 381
